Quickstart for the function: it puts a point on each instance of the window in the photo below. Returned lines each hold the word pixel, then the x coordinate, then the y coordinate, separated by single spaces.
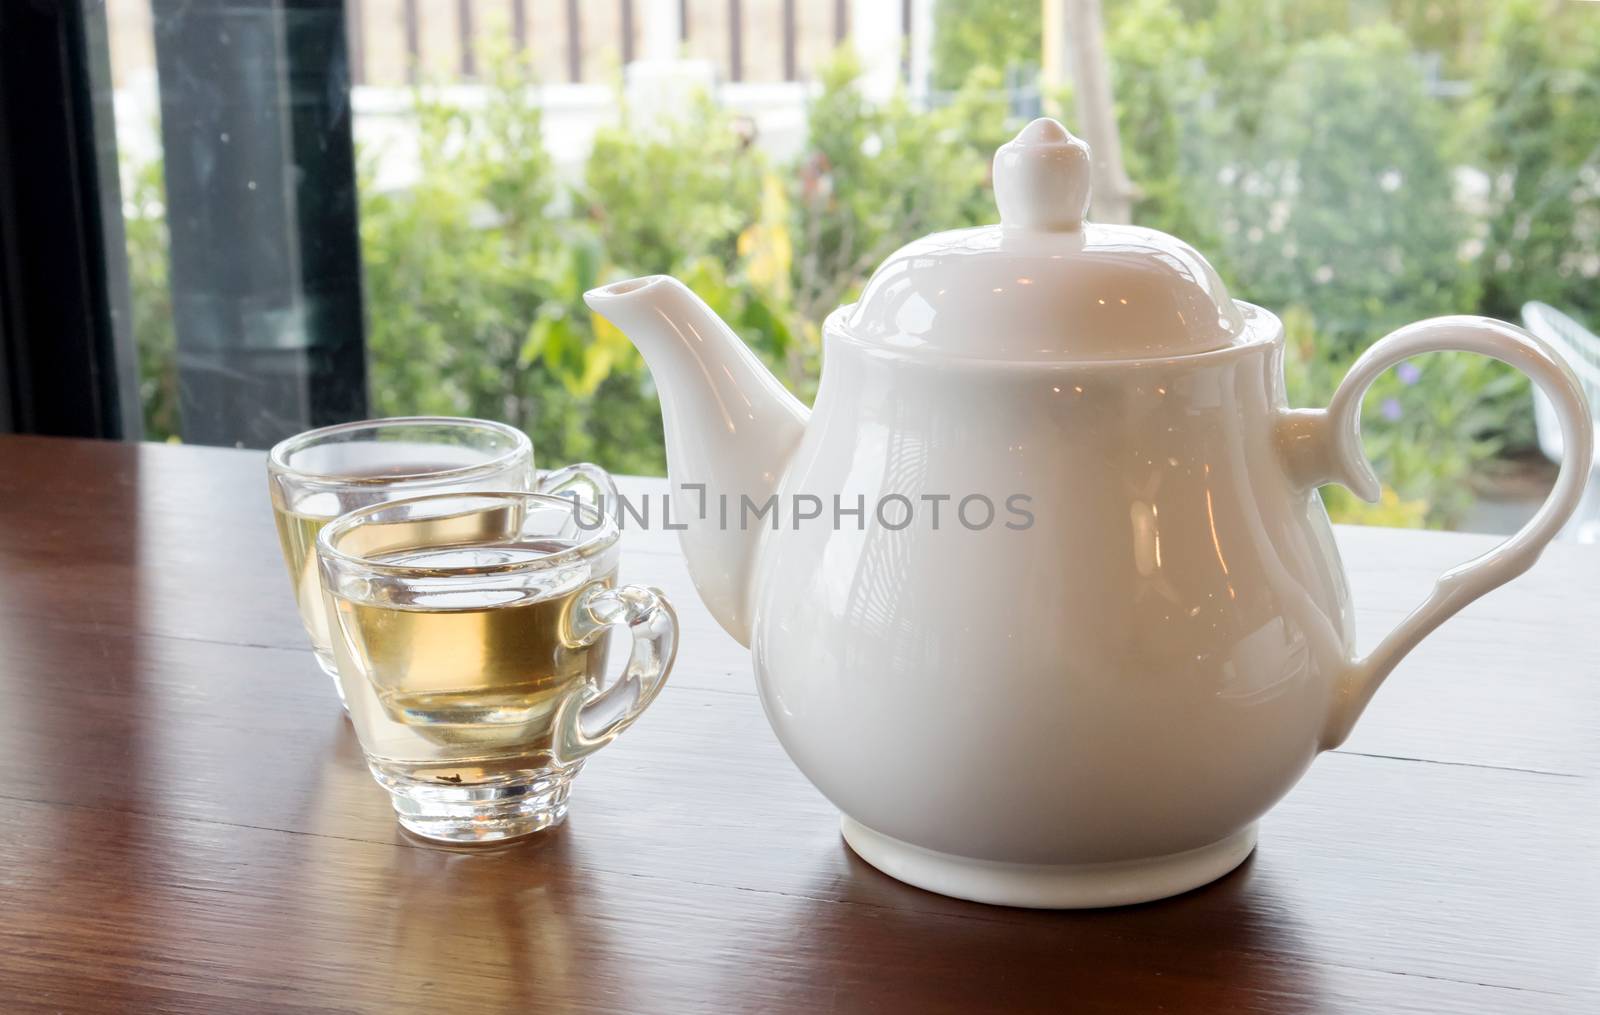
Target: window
pixel 389 206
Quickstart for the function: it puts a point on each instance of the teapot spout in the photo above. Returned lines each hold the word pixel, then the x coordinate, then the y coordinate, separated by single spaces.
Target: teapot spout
pixel 731 428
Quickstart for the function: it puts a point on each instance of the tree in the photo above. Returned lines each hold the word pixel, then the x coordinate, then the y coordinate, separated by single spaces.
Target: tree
pixel 1169 131
pixel 983 33
pixel 474 280
pixel 1540 143
pixel 145 230
pixel 877 175
pixel 1075 36
pixel 665 193
pixel 1344 203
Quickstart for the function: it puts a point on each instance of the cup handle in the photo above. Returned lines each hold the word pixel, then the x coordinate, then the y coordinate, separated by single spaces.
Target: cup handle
pixel 1341 458
pixel 586 483
pixel 654 626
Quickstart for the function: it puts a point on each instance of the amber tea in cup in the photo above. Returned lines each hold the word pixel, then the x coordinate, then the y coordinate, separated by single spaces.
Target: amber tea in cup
pixel 316 476
pixel 469 631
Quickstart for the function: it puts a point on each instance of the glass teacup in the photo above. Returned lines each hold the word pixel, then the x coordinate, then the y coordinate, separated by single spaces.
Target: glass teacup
pixel 318 475
pixel 470 633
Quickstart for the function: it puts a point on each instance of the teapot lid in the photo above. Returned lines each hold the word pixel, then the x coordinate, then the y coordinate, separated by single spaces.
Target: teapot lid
pixel 1046 285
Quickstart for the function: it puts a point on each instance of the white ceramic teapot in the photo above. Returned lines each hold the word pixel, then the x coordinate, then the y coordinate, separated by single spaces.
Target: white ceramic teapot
pixel 1086 692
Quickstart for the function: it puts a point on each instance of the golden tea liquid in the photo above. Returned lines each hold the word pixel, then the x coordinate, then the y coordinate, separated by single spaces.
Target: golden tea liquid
pixel 297 536
pixel 471 632
pixel 299 521
pixel 454 684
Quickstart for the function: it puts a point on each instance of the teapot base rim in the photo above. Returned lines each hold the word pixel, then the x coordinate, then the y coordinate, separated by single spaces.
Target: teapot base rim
pixel 1048 886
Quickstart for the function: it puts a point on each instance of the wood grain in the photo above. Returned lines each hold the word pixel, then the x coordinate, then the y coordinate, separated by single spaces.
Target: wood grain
pixel 186 823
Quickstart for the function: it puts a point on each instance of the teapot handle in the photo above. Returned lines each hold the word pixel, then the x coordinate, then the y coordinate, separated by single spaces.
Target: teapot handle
pixel 1341 424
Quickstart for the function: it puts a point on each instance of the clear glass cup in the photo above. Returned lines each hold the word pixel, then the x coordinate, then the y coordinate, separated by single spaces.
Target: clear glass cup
pixel 470 633
pixel 316 476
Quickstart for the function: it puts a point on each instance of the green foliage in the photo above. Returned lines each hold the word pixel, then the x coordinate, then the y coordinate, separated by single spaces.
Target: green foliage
pixel 1250 44
pixel 1541 143
pixel 145 232
pixel 1345 205
pixel 474 288
pixel 878 175
pixel 1161 88
pixel 665 194
pixel 481 277
pixel 1247 49
pixel 1426 425
pixel 969 34
pixel 1449 29
pixel 1293 141
pixel 695 198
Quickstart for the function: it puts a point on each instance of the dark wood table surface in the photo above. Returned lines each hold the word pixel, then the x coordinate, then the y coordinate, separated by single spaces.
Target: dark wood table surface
pixel 186 823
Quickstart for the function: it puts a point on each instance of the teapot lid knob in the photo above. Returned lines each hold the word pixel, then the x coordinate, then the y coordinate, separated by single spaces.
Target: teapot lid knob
pixel 1041 178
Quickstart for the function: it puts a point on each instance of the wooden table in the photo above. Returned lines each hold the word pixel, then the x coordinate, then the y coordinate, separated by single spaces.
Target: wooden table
pixel 187 824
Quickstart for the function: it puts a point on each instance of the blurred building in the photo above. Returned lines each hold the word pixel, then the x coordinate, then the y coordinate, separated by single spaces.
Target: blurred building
pixel 757 58
pixel 392 42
